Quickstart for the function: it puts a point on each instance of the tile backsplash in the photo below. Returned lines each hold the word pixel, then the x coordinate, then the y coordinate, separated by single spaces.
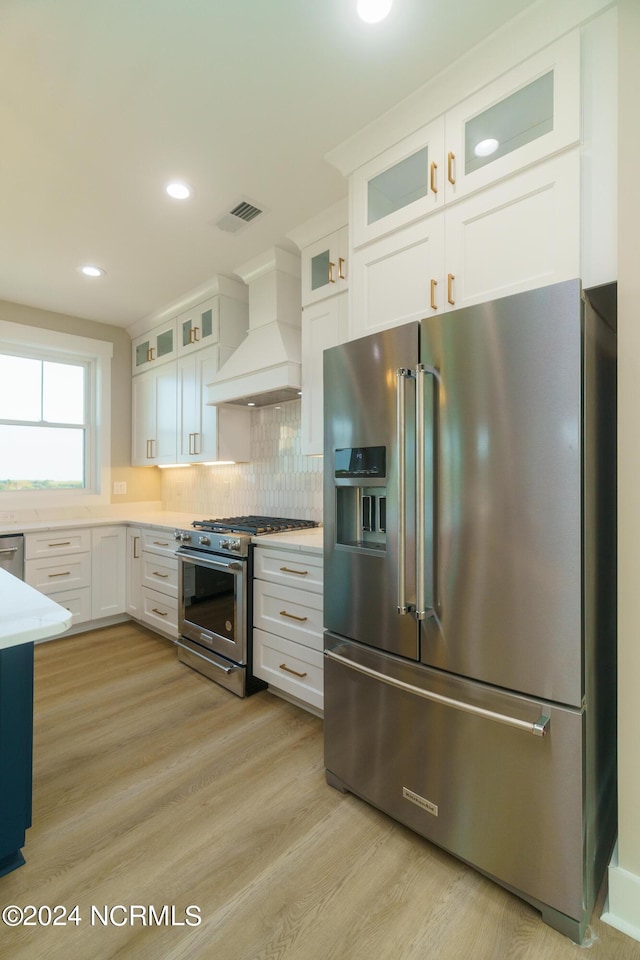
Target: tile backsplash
pixel 279 480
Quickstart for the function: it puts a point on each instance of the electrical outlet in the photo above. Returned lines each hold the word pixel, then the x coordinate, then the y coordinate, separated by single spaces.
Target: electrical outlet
pixel 119 487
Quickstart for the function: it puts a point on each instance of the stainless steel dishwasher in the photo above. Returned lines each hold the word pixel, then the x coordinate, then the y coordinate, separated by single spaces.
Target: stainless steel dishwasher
pixel 12 554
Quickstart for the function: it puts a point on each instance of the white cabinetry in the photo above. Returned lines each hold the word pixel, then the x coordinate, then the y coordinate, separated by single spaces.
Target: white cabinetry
pixel 520 233
pixel 171 423
pixel 481 202
pixel 219 319
pixel 324 266
pixel 287 617
pixel 82 569
pixel 58 563
pixel 324 325
pixel 529 113
pixel 157 346
pixel 133 568
pixel 323 242
pixel 154 417
pixel 108 572
pixel 205 432
pixel 159 582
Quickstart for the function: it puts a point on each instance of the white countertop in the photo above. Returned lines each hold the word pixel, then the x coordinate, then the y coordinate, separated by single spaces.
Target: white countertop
pixel 310 540
pixel 26 614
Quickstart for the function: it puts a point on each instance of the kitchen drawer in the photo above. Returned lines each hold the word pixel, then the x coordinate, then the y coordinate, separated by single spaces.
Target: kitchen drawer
pixel 159 611
pixel 288 666
pixel 56 543
pixel 160 573
pixel 292 569
pixel 77 602
pixel 54 574
pixel 159 541
pixel 293 614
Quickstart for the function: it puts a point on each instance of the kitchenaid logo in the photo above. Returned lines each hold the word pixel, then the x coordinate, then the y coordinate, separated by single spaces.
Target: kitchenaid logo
pixel 420 801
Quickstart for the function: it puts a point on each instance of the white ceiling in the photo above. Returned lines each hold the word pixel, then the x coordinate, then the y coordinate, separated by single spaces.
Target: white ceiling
pixel 102 103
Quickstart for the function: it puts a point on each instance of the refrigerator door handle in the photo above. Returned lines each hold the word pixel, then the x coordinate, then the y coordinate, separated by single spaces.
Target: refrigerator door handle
pixel 425 605
pixel 402 375
pixel 539 727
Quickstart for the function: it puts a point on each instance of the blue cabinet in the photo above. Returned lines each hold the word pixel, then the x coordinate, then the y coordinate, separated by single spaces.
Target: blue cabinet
pixel 16 752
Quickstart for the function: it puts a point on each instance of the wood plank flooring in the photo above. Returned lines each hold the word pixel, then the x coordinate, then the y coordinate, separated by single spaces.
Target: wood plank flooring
pixel 154 786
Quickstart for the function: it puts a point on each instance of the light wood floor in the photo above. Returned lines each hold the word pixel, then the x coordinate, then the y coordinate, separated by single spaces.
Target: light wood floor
pixel 154 786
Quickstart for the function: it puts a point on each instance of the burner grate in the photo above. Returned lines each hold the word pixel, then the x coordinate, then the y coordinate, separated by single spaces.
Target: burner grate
pixel 255 525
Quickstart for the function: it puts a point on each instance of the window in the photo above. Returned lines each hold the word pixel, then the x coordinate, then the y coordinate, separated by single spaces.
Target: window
pixel 54 417
pixel 43 423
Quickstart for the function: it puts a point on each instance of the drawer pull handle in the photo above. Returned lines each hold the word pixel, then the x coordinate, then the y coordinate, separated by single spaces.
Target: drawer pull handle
pixel 283 666
pixel 299 573
pixel 65 543
pixel 161 613
pixel 292 616
pixel 163 575
pixel 65 574
pixel 158 543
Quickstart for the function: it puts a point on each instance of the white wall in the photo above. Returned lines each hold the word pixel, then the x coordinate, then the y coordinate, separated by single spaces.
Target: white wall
pixel 624 876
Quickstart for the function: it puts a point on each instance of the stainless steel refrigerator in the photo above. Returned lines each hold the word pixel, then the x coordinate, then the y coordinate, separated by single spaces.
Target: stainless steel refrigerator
pixel 470 586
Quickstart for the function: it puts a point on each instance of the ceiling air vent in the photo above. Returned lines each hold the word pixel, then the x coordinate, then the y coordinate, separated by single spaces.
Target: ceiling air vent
pixel 242 214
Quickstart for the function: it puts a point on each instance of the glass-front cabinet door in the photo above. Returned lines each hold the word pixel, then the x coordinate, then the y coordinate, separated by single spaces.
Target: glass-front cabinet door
pixel 156 346
pixel 522 117
pixel 199 326
pixel 324 267
pixel 400 186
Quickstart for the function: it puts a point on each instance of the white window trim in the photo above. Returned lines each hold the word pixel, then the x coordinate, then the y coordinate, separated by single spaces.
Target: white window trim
pixel 98 353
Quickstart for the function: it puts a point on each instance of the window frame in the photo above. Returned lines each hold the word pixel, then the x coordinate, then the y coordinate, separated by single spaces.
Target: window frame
pixel 18 340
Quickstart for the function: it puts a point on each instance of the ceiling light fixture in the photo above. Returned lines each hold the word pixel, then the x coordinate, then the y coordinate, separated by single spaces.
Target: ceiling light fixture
pixel 179 191
pixel 89 270
pixel 373 11
pixel 486 147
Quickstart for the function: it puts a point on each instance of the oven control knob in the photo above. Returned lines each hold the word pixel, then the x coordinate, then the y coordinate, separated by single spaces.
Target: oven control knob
pixel 234 545
pixel 225 544
pixel 185 537
pixel 176 534
pixel 205 541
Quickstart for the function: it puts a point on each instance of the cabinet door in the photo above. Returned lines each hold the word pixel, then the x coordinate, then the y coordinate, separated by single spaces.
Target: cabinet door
pixel 398 278
pixel 516 235
pixel 133 568
pixel 154 417
pixel 400 186
pixel 108 580
pixel 157 346
pixel 143 413
pixel 199 326
pixel 324 267
pixel 528 114
pixel 208 433
pixel 324 325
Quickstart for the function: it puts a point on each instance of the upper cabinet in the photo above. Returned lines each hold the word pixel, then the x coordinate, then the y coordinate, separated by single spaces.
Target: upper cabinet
pixel 324 267
pixel 156 346
pixel 220 319
pixel 524 116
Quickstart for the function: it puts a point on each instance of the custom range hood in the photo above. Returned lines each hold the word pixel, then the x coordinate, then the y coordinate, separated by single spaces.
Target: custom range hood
pixel 266 367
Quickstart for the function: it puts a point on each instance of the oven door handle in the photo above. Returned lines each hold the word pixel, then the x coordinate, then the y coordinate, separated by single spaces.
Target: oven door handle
pixel 233 566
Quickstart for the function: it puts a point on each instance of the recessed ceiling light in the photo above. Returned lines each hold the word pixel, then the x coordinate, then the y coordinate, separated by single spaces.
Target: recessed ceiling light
pixel 486 147
pixel 179 191
pixel 89 270
pixel 373 11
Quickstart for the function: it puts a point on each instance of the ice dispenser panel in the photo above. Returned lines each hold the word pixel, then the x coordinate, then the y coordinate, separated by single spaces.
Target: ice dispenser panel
pixel 361 497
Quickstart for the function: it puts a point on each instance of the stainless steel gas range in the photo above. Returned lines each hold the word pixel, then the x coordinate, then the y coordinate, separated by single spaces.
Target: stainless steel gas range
pixel 216 593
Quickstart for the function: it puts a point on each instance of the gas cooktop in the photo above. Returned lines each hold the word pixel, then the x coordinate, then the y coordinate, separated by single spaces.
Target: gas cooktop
pixel 255 525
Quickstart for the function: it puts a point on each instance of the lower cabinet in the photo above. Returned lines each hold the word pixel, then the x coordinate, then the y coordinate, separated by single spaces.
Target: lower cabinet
pixel 16 744
pixel 81 569
pixel 108 572
pixel 287 624
pixel 153 581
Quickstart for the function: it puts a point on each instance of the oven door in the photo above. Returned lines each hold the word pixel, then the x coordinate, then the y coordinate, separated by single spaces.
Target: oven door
pixel 213 603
